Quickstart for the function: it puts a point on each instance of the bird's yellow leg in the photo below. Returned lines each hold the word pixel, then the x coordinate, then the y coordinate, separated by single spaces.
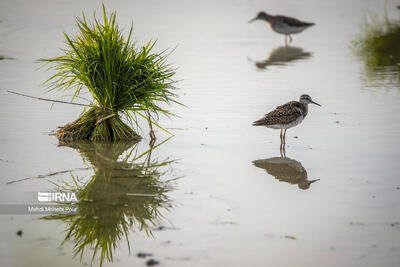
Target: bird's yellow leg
pixel 284 137
pixel 282 146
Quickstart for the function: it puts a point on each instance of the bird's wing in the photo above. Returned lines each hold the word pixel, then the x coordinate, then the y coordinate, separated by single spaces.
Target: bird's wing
pixel 283 114
pixel 294 22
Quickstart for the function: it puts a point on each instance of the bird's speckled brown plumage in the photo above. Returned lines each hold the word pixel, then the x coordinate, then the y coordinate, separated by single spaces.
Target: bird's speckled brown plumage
pixel 283 114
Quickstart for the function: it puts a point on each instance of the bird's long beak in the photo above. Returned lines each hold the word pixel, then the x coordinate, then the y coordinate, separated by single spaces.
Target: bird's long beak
pixel 250 21
pixel 315 103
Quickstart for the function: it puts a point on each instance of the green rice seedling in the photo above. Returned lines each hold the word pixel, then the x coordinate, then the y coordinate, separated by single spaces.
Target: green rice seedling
pixel 124 194
pixel 126 82
pixel 379 44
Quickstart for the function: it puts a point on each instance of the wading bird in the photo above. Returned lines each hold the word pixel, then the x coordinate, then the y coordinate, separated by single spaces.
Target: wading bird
pixel 286 116
pixel 283 25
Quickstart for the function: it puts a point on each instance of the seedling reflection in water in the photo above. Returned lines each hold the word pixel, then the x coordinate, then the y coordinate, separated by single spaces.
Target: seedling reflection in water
pixel 124 194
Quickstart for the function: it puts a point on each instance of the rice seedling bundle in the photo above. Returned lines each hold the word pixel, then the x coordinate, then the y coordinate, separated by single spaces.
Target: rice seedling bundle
pixel 125 82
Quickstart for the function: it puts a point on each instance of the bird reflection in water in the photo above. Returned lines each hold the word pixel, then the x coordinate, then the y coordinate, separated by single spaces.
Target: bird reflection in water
pixel 124 194
pixel 286 170
pixel 282 55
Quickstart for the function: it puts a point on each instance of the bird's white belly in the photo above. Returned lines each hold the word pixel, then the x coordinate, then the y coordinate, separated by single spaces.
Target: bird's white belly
pixel 287 126
pixel 285 29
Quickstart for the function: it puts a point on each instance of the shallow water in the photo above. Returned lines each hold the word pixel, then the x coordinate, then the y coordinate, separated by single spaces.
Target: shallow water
pixel 223 209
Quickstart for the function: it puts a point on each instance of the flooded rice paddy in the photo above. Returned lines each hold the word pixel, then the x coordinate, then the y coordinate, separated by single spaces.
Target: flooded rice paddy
pixel 218 192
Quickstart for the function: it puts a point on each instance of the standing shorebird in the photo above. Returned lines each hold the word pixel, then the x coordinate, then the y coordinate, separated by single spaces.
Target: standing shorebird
pixel 286 116
pixel 284 25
